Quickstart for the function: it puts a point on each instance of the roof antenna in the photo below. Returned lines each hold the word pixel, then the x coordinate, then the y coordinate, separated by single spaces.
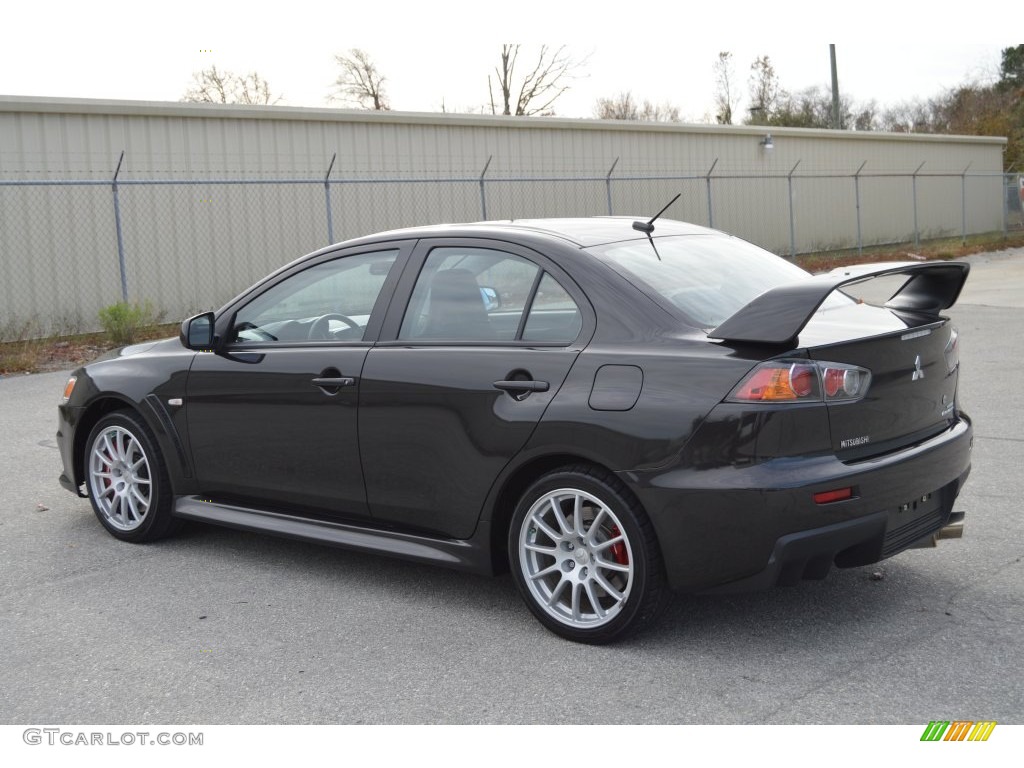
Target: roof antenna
pixel 648 226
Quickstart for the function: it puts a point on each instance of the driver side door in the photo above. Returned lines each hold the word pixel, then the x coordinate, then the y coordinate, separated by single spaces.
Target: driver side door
pixel 272 415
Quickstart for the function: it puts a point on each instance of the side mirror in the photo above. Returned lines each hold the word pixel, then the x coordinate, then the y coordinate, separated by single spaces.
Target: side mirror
pixel 492 300
pixel 197 333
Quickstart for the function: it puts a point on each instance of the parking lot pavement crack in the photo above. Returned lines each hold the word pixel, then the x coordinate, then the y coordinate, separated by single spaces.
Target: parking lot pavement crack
pixel 47 585
pixel 853 667
pixel 975 583
pixel 877 655
pixel 1005 439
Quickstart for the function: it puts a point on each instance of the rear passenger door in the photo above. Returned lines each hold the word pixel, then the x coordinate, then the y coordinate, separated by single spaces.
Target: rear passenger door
pixel 477 342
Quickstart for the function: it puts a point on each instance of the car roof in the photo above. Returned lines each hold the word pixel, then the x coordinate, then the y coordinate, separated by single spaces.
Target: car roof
pixel 582 232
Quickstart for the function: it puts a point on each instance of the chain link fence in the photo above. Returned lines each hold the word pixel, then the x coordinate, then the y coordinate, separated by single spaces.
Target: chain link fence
pixel 69 248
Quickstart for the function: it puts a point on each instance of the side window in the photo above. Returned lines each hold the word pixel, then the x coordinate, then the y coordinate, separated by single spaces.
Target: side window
pixel 329 302
pixel 553 316
pixel 469 294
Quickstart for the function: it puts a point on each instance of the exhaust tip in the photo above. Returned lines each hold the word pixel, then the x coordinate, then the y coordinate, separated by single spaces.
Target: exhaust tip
pixel 951 531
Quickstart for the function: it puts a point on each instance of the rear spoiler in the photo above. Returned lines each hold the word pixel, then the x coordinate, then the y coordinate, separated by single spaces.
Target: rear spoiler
pixel 778 315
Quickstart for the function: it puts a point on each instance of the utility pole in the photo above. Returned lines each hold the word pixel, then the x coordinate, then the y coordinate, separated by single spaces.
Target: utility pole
pixel 835 89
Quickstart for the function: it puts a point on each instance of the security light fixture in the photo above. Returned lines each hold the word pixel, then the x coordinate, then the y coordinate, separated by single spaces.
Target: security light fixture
pixel 767 143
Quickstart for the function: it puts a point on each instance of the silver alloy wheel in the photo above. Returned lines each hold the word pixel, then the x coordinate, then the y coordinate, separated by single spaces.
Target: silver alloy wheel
pixel 119 478
pixel 576 559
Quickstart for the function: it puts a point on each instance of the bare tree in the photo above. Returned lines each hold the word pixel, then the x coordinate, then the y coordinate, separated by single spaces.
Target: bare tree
pixel 764 91
pixel 621 107
pixel 212 86
pixel 253 89
pixel 659 113
pixel 360 82
pixel 809 108
pixel 917 116
pixel 725 98
pixel 625 107
pixel 538 88
pixel 865 116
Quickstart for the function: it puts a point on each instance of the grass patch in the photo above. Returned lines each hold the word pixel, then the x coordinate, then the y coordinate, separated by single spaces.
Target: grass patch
pixel 945 248
pixel 126 322
pixel 55 353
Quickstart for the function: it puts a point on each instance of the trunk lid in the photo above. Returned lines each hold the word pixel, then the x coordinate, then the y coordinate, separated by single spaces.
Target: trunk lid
pixel 912 394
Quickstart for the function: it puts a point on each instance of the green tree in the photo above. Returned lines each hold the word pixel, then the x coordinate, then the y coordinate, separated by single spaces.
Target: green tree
pixel 1011 69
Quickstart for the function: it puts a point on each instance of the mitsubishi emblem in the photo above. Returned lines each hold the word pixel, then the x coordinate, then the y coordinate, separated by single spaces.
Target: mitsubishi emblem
pixel 918 373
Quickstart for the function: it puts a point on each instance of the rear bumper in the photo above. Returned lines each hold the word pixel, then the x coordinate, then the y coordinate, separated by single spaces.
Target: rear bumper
pixel 864 540
pixel 750 527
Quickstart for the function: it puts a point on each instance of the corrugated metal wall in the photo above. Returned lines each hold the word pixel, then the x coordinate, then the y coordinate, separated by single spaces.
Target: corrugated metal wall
pixel 194 246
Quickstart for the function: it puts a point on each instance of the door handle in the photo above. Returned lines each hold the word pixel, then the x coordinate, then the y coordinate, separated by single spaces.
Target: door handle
pixel 522 386
pixel 338 381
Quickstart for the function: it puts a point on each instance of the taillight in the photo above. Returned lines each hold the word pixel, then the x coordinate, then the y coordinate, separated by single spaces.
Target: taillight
pixel 952 351
pixel 779 381
pixel 843 382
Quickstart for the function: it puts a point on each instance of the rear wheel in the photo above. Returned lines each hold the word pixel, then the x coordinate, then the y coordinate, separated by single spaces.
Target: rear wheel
pixel 126 479
pixel 585 558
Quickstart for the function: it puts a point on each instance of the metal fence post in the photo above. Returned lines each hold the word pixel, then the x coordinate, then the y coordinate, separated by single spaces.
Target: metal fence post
pixel 173 252
pixel 963 206
pixel 707 180
pixel 120 238
pixel 608 185
pixel 856 190
pixel 792 227
pixel 1007 180
pixel 327 200
pixel 913 181
pixel 483 193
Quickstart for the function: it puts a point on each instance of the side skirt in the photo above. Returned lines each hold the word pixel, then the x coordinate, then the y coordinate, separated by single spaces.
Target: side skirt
pixel 461 554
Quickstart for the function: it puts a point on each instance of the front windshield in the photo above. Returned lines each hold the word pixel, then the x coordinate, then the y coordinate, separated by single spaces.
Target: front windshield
pixel 706 278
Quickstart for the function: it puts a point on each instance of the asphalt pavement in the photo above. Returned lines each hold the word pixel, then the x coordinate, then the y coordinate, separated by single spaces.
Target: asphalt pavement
pixel 217 626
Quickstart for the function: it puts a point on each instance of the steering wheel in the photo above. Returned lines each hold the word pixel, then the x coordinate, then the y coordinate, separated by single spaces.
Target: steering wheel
pixel 320 330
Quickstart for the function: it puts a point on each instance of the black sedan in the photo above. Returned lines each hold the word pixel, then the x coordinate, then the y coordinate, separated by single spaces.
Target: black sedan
pixel 608 408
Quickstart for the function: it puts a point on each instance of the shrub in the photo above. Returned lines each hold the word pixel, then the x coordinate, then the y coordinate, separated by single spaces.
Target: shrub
pixel 123 321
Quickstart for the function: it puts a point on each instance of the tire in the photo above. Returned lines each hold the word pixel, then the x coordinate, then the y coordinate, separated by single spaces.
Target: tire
pixel 127 480
pixel 585 558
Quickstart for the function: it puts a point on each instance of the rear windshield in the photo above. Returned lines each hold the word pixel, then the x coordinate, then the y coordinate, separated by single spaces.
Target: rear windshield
pixel 705 278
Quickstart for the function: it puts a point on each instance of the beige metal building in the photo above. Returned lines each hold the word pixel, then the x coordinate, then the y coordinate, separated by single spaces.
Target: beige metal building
pixel 209 198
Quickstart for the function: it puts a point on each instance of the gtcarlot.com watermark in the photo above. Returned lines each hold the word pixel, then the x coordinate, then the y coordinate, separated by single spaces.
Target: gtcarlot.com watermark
pixel 59 736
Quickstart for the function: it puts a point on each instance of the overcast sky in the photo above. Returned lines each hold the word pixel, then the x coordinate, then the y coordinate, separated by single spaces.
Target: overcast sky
pixel 434 52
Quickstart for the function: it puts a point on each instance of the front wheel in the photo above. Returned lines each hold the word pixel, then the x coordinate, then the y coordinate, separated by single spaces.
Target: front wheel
pixel 126 479
pixel 584 557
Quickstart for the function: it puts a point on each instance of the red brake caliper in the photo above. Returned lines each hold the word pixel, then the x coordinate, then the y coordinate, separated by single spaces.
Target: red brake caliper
pixel 619 548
